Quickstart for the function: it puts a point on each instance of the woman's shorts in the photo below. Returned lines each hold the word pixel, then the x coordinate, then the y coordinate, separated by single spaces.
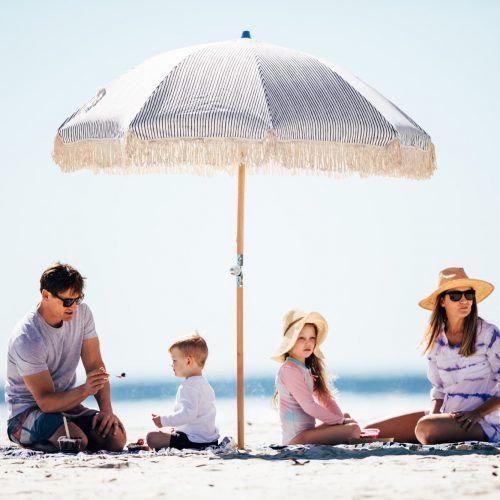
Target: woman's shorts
pixel 33 426
pixel 180 441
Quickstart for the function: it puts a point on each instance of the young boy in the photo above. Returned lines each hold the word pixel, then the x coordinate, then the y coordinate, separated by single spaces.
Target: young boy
pixel 192 421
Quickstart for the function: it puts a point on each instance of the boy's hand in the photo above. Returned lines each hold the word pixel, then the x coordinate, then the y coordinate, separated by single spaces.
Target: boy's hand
pixel 157 420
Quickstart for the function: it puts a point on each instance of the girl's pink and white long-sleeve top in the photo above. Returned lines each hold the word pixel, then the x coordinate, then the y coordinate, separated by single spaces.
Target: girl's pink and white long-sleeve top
pixel 298 406
pixel 194 411
pixel 464 383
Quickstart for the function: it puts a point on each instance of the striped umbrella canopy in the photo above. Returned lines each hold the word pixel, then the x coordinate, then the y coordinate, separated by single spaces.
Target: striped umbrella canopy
pixel 209 107
pixel 240 106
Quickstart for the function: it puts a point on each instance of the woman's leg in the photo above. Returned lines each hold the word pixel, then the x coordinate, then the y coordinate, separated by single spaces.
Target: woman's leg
pixel 158 439
pixel 443 428
pixel 401 427
pixel 328 434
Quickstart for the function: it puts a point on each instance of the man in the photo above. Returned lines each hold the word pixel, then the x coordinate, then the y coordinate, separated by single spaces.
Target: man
pixel 44 352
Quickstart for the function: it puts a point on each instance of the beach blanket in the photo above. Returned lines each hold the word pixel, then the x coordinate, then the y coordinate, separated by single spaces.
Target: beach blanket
pixel 227 450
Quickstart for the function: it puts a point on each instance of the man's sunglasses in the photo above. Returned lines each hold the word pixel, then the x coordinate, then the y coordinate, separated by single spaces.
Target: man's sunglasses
pixel 70 302
pixel 456 296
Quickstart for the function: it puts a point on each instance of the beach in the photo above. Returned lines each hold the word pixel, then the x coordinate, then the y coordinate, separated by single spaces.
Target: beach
pixel 179 167
pixel 263 469
pixel 361 475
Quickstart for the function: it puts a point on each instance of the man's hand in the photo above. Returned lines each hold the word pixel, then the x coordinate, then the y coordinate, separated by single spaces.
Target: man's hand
pixel 96 380
pixel 466 419
pixel 157 420
pixel 108 422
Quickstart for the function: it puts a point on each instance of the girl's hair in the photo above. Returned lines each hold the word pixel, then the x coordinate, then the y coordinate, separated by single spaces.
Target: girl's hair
pixel 318 372
pixel 439 319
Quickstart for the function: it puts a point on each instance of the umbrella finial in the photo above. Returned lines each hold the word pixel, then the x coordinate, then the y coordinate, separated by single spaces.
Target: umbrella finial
pixel 246 34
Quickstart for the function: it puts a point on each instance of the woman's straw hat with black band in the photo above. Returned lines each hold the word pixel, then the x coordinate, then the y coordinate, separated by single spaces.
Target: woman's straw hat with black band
pixel 455 277
pixel 293 322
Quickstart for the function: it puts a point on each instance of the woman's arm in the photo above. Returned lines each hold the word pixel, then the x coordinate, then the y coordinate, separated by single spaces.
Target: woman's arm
pixel 488 406
pixel 493 356
pixel 437 393
pixel 467 419
pixel 436 406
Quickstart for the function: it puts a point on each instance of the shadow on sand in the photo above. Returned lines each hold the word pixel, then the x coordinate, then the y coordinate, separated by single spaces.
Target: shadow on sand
pixel 299 453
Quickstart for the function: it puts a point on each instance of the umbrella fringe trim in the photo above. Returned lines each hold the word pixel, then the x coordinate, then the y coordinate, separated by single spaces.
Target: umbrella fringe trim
pixel 207 157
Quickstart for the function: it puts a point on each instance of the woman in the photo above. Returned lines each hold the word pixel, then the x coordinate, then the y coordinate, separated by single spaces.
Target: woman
pixel 464 362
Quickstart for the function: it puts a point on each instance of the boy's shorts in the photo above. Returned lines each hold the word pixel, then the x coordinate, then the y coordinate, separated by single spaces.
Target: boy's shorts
pixel 180 441
pixel 34 427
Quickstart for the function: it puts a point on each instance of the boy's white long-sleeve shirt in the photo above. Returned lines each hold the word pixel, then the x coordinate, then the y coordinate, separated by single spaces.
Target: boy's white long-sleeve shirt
pixel 194 411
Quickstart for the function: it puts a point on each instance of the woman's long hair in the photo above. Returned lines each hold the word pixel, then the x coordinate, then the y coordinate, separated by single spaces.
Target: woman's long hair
pixel 439 319
pixel 318 372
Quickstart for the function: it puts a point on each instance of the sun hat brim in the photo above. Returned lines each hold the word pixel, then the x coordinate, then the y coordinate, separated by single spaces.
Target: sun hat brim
pixel 482 288
pixel 292 332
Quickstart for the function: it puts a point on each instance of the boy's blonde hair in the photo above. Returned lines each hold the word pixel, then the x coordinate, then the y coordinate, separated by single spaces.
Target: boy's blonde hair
pixel 194 346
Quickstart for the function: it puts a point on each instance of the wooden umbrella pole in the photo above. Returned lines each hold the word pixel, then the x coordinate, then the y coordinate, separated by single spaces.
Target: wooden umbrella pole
pixel 239 313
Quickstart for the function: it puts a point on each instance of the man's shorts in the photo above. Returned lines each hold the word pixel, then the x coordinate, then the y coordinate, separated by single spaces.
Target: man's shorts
pixel 34 427
pixel 180 441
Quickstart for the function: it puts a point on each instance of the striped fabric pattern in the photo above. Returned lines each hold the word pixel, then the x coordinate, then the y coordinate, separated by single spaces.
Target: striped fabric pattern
pixel 213 106
pixel 464 383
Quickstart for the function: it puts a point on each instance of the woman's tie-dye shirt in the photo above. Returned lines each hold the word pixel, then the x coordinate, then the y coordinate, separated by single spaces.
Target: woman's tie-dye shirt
pixel 464 383
pixel 298 406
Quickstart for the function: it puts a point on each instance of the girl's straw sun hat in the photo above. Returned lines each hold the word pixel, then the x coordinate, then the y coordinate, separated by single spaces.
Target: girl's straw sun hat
pixel 455 277
pixel 293 322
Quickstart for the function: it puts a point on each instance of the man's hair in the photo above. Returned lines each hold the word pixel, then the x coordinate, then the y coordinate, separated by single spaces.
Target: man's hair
pixel 193 345
pixel 60 277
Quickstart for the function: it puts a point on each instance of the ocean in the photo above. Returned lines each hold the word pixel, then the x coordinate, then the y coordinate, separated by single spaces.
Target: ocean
pixel 264 387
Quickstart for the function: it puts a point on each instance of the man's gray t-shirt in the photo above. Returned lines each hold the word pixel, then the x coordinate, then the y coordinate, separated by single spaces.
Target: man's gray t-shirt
pixel 36 346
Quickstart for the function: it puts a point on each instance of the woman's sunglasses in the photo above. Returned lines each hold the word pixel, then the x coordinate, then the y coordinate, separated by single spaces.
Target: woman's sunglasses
pixel 456 296
pixel 70 302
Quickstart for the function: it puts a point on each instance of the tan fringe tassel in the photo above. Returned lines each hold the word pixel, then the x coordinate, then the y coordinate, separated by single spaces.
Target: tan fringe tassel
pixel 210 156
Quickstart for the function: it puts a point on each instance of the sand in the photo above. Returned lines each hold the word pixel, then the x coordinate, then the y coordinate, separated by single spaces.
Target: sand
pixel 355 471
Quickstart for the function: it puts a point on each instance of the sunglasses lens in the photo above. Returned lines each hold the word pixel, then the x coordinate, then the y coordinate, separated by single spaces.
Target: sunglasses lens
pixel 70 302
pixel 456 296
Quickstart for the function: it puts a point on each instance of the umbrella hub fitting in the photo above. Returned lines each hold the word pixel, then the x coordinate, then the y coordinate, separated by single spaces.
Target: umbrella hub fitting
pixel 237 270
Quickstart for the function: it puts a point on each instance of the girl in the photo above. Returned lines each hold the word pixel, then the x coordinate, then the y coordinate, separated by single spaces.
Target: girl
pixel 301 387
pixel 464 362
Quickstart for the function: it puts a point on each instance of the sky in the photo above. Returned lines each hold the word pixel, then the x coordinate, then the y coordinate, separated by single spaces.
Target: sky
pixel 156 249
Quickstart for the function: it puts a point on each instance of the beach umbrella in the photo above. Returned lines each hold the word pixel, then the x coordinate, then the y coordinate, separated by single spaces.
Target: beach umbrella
pixel 242 106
